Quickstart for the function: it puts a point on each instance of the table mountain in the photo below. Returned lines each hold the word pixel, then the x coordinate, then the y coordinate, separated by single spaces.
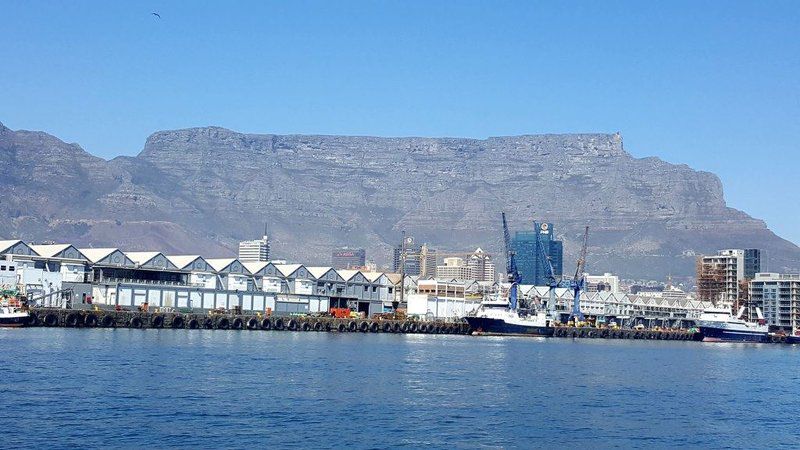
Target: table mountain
pixel 203 189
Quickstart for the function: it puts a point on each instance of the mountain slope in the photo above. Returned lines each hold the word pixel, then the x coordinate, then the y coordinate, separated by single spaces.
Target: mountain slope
pixel 202 189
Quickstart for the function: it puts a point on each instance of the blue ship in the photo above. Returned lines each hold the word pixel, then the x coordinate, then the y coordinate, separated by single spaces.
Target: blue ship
pixel 719 325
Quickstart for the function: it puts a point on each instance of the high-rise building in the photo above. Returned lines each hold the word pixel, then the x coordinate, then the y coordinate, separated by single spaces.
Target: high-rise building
pixel 720 277
pixel 778 296
pixel 255 250
pixel 532 269
pixel 752 262
pixel 348 258
pixel 427 256
pixel 455 268
pixel 482 266
pixel 420 260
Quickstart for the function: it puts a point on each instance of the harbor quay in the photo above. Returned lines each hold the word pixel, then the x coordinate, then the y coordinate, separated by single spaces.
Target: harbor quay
pixel 66 286
pixel 101 318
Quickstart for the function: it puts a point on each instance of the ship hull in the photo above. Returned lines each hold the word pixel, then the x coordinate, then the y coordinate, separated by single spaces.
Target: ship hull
pixel 489 326
pixel 13 321
pixel 793 339
pixel 711 334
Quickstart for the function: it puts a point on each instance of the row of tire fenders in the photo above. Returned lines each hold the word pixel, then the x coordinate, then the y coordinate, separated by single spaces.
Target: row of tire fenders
pixel 623 334
pixel 91 320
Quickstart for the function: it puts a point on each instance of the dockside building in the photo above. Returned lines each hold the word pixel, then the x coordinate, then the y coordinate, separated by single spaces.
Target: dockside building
pixel 778 296
pixel 63 275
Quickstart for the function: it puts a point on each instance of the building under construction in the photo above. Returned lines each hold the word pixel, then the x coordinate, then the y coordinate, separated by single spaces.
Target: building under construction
pixel 711 280
pixel 722 278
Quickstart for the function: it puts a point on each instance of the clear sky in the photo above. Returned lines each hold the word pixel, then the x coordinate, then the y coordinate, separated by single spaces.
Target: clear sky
pixel 714 85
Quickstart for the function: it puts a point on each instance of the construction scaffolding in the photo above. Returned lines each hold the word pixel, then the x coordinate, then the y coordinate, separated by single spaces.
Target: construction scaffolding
pixel 711 284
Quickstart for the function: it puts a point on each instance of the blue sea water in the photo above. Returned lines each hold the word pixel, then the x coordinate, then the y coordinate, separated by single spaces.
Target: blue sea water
pixel 92 388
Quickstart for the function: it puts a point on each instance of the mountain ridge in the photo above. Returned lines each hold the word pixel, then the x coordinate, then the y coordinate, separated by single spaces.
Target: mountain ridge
pixel 201 189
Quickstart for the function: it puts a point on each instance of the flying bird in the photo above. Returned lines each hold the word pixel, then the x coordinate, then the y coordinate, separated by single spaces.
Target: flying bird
pixel 156 14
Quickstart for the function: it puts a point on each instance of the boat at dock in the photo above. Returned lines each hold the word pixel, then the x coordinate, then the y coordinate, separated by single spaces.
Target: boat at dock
pixel 719 325
pixel 496 317
pixel 12 314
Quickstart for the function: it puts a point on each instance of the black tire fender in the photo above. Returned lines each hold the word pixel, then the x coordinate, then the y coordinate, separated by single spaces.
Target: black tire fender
pixel 157 321
pixel 135 322
pixel 72 320
pixel 108 321
pixel 50 320
pixel 223 323
pixel 178 322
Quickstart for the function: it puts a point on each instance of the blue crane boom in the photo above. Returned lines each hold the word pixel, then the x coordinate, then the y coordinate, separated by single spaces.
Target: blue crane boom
pixel 551 276
pixel 511 265
pixel 577 283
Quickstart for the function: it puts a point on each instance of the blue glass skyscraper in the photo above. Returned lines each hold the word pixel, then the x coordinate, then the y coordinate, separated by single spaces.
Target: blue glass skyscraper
pixel 532 270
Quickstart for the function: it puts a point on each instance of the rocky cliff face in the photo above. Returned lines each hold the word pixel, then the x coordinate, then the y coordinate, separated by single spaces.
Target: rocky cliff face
pixel 201 190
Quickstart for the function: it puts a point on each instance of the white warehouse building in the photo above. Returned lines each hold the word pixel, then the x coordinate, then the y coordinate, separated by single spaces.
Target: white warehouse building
pixel 113 277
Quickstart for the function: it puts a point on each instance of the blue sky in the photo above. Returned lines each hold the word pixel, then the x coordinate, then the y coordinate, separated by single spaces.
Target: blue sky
pixel 714 85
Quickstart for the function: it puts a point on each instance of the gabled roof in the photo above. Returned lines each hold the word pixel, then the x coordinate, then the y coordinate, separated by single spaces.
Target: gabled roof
pixel 141 257
pixel 347 274
pixel 97 254
pixel 54 250
pixel 255 266
pixel 49 250
pixel 9 244
pixel 394 278
pixel 151 260
pixel 372 276
pixel 287 269
pixel 320 271
pixel 222 265
pixel 184 261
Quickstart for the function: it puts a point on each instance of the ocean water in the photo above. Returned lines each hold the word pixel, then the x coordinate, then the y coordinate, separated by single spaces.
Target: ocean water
pixel 92 388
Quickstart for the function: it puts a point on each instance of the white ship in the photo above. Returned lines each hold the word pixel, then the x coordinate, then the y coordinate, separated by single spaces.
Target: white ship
pixel 719 325
pixel 12 314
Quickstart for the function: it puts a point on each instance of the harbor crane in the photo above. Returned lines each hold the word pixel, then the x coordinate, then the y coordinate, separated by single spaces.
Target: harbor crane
pixel 511 266
pixel 578 281
pixel 551 276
